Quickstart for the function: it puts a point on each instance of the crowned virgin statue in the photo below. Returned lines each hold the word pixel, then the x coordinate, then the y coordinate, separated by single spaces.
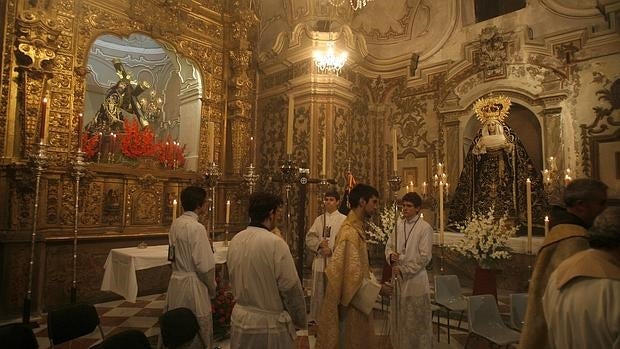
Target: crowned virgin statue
pixel 496 169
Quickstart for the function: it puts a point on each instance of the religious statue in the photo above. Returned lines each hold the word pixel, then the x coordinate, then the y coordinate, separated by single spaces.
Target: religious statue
pixel 123 96
pixel 496 169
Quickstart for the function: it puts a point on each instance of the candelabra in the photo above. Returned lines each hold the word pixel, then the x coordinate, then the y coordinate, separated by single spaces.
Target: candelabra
pixel 212 176
pixel 289 176
pixel 251 177
pixel 78 171
pixel 554 182
pixel 38 162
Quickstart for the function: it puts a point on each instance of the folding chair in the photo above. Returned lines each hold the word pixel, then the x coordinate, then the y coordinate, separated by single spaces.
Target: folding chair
pixel 518 304
pixel 18 335
pixel 72 322
pixel 178 327
pixel 448 294
pixel 130 339
pixel 485 321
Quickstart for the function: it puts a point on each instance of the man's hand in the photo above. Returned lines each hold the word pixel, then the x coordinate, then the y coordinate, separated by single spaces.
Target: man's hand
pixel 326 252
pixel 396 272
pixel 324 244
pixel 386 289
pixel 394 257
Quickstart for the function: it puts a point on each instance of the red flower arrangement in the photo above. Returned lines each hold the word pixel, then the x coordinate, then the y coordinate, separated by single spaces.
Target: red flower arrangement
pixel 90 145
pixel 137 142
pixel 170 153
pixel 221 308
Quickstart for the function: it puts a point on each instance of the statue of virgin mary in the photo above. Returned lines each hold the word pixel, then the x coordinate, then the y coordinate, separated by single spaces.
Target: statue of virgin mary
pixel 496 169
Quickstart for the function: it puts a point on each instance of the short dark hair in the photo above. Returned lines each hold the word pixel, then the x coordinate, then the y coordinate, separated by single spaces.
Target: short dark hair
pixel 583 189
pixel 261 204
pixel 413 198
pixel 361 191
pixel 605 232
pixel 333 193
pixel 192 198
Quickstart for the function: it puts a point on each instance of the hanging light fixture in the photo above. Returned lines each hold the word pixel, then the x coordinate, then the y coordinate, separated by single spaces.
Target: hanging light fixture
pixel 329 61
pixel 355 4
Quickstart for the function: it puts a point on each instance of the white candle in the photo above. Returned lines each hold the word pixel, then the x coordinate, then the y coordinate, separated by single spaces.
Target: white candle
pixel 227 211
pixel 407 188
pixel 528 189
pixel 440 169
pixel 424 188
pixel 210 141
pixel 441 235
pixel 289 125
pixel 174 209
pixel 394 151
pixel 546 225
pixel 252 151
pixel 422 216
pixel 324 163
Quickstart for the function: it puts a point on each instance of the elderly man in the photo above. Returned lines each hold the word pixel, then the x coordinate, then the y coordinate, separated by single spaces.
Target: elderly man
pixel 584 199
pixel 582 300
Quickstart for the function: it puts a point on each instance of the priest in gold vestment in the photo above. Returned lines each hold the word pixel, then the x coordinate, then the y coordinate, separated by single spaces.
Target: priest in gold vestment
pixel 346 319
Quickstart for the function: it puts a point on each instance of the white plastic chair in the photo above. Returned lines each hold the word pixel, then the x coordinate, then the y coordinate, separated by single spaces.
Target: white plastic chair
pixel 448 294
pixel 485 321
pixel 518 304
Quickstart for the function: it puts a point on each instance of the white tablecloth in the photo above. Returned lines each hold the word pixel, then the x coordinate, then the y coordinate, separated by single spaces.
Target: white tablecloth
pixel 122 264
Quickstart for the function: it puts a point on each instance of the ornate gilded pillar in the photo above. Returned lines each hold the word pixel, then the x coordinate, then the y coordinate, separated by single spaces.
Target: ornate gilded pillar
pixel 240 93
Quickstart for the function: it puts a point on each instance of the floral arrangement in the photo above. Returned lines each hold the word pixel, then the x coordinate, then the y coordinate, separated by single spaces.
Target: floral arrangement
pixel 378 234
pixel 169 153
pixel 137 142
pixel 221 308
pixel 90 145
pixel 486 238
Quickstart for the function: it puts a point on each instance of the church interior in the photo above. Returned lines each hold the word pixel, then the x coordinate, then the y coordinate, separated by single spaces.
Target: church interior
pixel 108 109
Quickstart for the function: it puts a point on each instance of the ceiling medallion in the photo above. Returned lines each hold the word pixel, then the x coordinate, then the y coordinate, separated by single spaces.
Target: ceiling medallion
pixel 329 61
pixel 355 4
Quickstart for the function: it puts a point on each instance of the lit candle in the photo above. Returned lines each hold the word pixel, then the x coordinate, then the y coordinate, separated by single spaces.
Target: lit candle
pixel 552 163
pixel 440 169
pixel 394 151
pixel 546 225
pixel 252 152
pixel 324 163
pixel 42 125
pixel 528 189
pixel 174 209
pixel 441 235
pixel 567 180
pixel 79 130
pixel 411 184
pixel 100 143
pixel 422 216
pixel 210 141
pixel 113 139
pixel 407 188
pixel 227 211
pixel 424 188
pixel 289 125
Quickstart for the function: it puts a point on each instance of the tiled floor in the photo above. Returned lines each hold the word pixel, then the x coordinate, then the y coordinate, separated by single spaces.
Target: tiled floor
pixel 118 316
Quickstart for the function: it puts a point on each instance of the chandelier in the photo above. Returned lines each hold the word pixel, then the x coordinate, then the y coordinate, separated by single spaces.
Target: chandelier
pixel 355 4
pixel 328 61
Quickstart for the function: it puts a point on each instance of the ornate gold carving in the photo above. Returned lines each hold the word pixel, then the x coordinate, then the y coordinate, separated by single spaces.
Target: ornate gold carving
pixel 144 202
pixel 493 47
pixel 492 108
pixel 36 38
pixel 160 17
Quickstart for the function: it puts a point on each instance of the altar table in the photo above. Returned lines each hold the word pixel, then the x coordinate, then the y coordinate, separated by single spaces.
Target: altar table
pixel 122 264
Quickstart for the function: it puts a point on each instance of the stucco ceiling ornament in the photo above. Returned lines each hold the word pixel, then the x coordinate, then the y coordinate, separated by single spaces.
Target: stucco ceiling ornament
pixel 355 4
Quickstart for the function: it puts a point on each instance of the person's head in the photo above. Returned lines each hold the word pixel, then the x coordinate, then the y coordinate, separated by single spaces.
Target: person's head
pixel 364 200
pixel 331 200
pixel 585 198
pixel 193 198
pixel 411 205
pixel 264 208
pixel 605 232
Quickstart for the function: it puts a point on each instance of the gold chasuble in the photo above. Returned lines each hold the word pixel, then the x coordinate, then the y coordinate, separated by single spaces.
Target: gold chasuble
pixel 346 271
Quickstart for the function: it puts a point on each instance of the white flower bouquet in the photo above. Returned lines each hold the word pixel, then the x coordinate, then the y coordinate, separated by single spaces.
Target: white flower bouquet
pixel 485 238
pixel 377 234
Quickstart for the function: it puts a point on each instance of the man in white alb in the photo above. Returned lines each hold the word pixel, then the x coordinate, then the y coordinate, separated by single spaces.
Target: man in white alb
pixel 320 241
pixel 410 325
pixel 192 283
pixel 269 298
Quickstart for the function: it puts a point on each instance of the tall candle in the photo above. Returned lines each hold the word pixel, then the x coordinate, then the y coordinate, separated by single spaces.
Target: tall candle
pixel 289 125
pixel 528 189
pixel 113 141
pixel 546 225
pixel 424 188
pixel 441 235
pixel 324 152
pixel 79 130
pixel 252 151
pixel 42 125
pixel 394 151
pixel 174 209
pixel 210 141
pixel 227 211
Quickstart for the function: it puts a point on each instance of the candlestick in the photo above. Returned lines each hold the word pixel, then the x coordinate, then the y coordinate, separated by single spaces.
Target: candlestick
pixel 79 130
pixel 546 225
pixel 42 125
pixel 210 141
pixel 289 125
pixel 227 211
pixel 528 189
pixel 174 210
pixel 324 163
pixel 394 151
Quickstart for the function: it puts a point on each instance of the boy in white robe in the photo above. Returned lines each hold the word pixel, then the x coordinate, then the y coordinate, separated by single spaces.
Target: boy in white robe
pixel 192 283
pixel 320 241
pixel 268 294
